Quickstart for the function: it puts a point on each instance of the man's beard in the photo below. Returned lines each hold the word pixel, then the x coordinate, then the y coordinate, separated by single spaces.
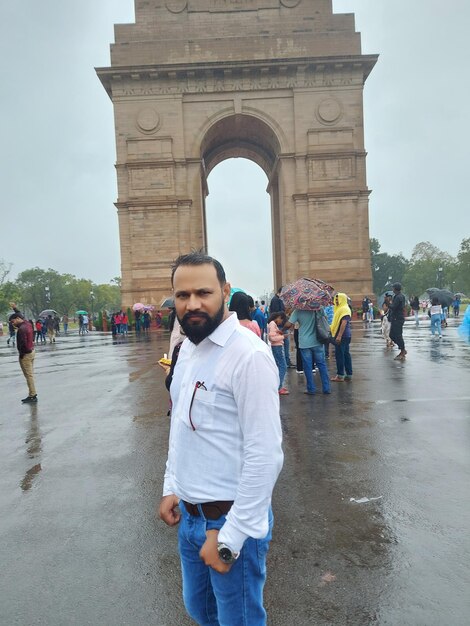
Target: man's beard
pixel 198 332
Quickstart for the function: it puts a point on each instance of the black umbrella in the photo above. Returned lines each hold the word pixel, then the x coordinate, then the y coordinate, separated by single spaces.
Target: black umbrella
pixel 168 303
pixel 47 312
pixel 444 296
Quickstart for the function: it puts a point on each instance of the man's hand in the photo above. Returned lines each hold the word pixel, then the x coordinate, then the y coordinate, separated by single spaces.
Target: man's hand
pixel 167 510
pixel 210 555
pixel 12 305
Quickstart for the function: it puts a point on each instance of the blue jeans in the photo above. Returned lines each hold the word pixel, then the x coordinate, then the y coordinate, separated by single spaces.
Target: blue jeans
pixel 436 324
pixel 279 357
pixel 343 357
pixel 287 350
pixel 213 599
pixel 308 356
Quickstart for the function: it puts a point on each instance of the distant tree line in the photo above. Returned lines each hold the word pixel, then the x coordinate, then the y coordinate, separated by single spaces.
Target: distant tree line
pixel 36 289
pixel 427 267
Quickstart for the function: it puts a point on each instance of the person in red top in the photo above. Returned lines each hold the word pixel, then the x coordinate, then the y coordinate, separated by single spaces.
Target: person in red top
pixel 124 323
pixel 25 345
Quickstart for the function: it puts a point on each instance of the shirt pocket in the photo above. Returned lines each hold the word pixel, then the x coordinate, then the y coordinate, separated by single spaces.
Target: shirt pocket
pixel 203 409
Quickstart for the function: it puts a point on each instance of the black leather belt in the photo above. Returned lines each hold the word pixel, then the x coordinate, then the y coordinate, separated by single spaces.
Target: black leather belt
pixel 211 510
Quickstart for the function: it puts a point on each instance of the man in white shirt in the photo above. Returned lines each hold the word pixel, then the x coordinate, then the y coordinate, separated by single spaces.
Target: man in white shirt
pixel 224 453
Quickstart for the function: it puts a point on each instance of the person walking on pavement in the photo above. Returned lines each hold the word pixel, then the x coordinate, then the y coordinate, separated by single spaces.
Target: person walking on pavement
pixel 38 335
pixel 414 304
pixel 435 312
pixel 257 316
pixel 365 309
pixel 397 319
pixel 11 334
pixel 224 453
pixel 25 345
pixel 341 332
pixel 50 325
pixel 276 339
pixel 312 350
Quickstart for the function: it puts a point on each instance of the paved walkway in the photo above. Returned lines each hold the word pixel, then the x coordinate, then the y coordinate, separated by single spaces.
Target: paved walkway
pixel 81 471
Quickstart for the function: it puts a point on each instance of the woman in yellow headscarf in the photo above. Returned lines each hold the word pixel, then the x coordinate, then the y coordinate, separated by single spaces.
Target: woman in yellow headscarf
pixel 341 331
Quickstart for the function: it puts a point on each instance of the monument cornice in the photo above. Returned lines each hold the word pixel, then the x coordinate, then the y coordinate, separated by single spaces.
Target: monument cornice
pixel 340 195
pixel 152 203
pixel 236 75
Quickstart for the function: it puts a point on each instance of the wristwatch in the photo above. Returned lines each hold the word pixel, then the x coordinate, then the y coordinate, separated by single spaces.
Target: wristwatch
pixel 226 555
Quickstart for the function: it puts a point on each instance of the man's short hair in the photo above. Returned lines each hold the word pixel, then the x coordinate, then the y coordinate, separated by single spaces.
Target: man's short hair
pixel 397 286
pixel 199 258
pixel 14 316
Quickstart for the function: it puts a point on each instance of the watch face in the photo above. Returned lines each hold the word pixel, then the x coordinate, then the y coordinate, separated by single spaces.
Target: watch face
pixel 225 555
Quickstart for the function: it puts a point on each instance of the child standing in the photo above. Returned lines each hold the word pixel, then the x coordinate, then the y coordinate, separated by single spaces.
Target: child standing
pixel 276 339
pixel 386 322
pixel 436 317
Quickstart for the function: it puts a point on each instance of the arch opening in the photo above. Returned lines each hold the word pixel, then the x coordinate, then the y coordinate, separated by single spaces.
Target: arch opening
pixel 234 140
pixel 239 227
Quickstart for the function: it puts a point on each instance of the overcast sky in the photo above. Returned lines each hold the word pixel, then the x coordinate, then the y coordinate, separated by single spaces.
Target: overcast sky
pixel 57 174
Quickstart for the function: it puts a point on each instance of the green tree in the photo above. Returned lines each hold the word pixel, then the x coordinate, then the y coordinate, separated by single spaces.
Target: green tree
pixel 5 269
pixel 107 297
pixel 462 274
pixel 386 268
pixel 8 293
pixel 429 267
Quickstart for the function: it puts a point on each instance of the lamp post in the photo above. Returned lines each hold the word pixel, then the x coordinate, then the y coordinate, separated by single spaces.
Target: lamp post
pixel 48 295
pixel 439 277
pixel 92 298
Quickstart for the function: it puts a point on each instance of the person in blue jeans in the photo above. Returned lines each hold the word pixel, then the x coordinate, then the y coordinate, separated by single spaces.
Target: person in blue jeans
pixel 225 452
pixel 341 331
pixel 311 349
pixel 276 324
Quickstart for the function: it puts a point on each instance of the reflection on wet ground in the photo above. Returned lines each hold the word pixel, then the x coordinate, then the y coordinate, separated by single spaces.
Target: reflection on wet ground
pixel 372 508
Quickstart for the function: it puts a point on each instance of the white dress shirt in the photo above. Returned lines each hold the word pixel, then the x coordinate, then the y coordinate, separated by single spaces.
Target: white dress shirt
pixel 232 450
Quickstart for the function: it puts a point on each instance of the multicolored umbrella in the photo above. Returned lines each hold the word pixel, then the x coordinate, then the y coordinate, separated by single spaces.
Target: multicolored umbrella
pixel 81 312
pixel 307 294
pixel 138 306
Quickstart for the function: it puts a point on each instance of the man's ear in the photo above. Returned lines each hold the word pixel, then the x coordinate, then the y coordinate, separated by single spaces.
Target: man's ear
pixel 227 290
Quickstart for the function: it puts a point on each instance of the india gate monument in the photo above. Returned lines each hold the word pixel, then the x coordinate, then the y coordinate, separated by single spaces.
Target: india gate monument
pixel 279 82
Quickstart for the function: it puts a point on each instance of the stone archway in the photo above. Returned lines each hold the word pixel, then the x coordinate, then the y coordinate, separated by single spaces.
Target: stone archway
pixel 241 135
pixel 278 81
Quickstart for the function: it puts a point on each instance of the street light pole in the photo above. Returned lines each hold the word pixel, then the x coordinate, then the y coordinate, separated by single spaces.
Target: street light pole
pixel 439 277
pixel 92 298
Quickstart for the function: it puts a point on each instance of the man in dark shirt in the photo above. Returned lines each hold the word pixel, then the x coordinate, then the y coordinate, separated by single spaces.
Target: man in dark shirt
pixel 25 345
pixel 277 304
pixel 397 319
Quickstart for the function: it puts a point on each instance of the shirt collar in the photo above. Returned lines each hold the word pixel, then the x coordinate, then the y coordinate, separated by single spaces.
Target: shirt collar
pixel 224 330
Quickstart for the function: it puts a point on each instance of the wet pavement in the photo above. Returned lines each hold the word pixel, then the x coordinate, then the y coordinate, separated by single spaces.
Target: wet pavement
pixel 81 472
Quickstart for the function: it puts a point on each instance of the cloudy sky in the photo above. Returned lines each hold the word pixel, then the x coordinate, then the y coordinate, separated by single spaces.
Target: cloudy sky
pixel 57 177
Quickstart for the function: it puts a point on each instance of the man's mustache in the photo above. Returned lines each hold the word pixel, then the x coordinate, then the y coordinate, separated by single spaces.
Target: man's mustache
pixel 189 316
